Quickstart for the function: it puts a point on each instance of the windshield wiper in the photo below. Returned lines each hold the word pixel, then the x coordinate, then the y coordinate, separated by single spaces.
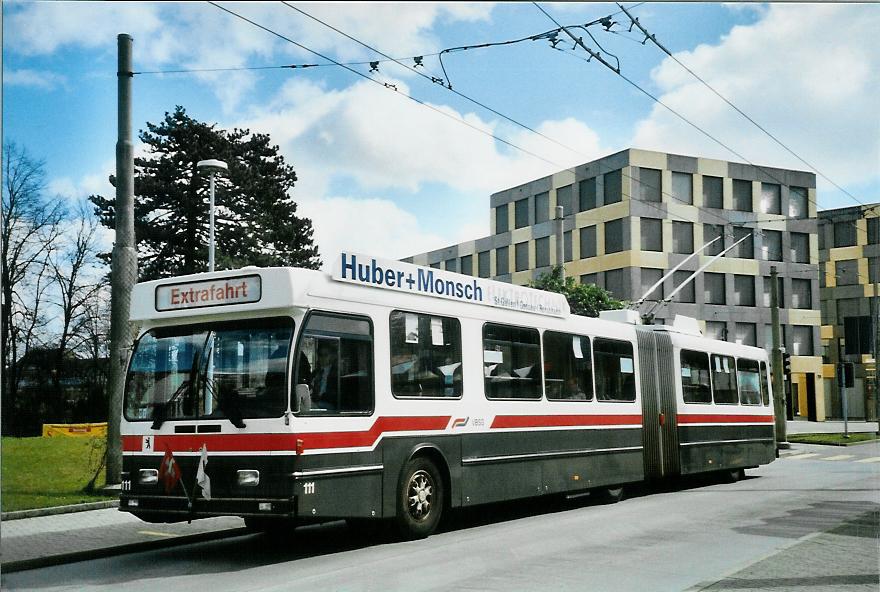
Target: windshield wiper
pixel 160 411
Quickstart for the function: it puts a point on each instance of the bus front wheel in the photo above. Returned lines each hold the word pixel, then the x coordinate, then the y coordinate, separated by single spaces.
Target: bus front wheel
pixel 420 499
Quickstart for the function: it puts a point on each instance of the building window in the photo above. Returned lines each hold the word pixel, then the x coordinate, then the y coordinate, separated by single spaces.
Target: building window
pixel 652 234
pixel 688 293
pixel 845 234
pixel 683 187
pixel 521 256
pixel 614 236
pixel 451 265
pixel 716 330
pixel 746 334
pixel 771 198
pixel 615 372
pixel 614 283
pixel 714 289
pixel 467 265
pixel 682 237
pixel 511 362
pixel 588 242
pixel 873 231
pixel 649 277
pixel 772 245
pixel 768 336
pixel 521 213
pixel 801 293
pixel 800 247
pixel 563 198
pixel 502 261
pixel 613 187
pixel 435 265
pixel 745 249
pixel 425 355
pixel 724 391
pixel 857 335
pixel 542 207
pixel 501 223
pixel 695 384
pixel 711 231
pixel 567 252
pixel 590 279
pixel 821 233
pixel 649 185
pixel 873 276
pixel 744 290
pixel 797 202
pixel 484 267
pixel 713 194
pixel 802 340
pixel 847 272
pixel 742 195
pixel 542 252
pixel 779 292
pixel 587 194
pixel 568 367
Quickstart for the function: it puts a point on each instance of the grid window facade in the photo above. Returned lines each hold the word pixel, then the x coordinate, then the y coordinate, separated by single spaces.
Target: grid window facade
pixel 614 283
pixel 484 268
pixel 772 245
pixel 742 195
pixel 714 289
pixel 779 291
pixel 521 213
pixel 771 198
pixel 713 192
pixel 802 340
pixel 847 272
pixel 466 265
pixel 501 220
pixel 801 293
pixel 711 231
pixel 716 330
pixel 614 236
pixel 746 249
pixel 542 207
pixel 744 290
pixel 587 194
pixel 590 278
pixel 683 187
pixel 521 256
pixel 502 260
pixel 688 293
pixel 451 265
pixel 651 233
pixel 542 252
pixel 563 198
pixel 682 237
pixel 649 277
pixel 746 334
pixel 567 251
pixel 873 231
pixel 797 202
pixel 800 247
pixel 845 234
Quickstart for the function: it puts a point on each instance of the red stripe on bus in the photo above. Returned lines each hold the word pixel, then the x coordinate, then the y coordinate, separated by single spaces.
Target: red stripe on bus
pixel 267 442
pixel 551 421
pixel 718 418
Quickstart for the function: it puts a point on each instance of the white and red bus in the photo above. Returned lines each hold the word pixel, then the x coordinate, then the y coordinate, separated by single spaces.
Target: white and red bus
pixel 389 390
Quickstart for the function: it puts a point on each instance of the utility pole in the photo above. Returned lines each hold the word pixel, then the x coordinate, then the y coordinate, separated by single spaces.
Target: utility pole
pixel 776 363
pixel 560 242
pixel 124 262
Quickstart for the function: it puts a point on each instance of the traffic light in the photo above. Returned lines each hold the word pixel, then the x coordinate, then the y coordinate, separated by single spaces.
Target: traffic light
pixel 786 364
pixel 846 372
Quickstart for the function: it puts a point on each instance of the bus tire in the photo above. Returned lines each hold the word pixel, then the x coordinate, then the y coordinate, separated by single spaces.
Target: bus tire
pixel 421 495
pixel 733 475
pixel 610 495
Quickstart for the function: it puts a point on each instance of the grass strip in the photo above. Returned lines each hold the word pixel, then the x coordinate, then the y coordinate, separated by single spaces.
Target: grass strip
pixel 832 439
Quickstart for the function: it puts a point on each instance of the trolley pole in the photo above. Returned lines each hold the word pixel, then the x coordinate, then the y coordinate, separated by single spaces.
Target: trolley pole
pixel 776 363
pixel 560 242
pixel 124 261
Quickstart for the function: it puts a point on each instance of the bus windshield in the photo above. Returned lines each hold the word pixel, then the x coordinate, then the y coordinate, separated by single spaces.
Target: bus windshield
pixel 232 370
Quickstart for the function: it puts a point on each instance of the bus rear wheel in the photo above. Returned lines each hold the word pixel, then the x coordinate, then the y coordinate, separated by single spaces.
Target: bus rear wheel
pixel 610 495
pixel 421 496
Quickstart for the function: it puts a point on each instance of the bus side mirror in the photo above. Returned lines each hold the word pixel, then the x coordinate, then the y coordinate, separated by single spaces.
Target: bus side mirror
pixel 303 398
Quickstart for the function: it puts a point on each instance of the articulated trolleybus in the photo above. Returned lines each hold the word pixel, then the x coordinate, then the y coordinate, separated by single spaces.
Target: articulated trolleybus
pixel 390 390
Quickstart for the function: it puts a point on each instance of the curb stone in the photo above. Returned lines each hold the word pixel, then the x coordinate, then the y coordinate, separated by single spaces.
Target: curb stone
pixel 37 512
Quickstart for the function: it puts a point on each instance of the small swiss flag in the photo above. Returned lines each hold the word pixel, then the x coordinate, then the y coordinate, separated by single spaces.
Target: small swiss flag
pixel 169 471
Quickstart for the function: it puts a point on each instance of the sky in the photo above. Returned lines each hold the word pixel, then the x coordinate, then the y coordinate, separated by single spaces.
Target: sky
pixel 386 175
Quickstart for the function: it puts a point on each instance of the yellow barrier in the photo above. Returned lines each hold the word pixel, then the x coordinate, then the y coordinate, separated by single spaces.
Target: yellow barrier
pixel 74 429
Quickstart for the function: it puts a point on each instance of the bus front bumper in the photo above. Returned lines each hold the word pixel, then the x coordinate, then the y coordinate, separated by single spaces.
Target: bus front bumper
pixel 163 508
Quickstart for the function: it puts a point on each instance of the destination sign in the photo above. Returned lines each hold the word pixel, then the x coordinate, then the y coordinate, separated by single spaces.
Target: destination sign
pixel 224 291
pixel 414 279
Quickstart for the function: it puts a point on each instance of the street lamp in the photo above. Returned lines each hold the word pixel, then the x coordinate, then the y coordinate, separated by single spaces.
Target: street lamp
pixel 212 166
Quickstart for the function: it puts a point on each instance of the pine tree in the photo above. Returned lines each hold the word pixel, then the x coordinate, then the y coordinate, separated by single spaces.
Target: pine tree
pixel 255 217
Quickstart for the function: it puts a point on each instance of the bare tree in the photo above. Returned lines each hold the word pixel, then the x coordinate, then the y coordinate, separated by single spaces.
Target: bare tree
pixel 28 232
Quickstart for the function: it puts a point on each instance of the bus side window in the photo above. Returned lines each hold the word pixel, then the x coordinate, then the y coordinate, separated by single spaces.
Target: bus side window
pixel 336 362
pixel 511 362
pixel 696 386
pixel 749 379
pixel 614 369
pixel 765 387
pixel 724 389
pixel 568 367
pixel 425 355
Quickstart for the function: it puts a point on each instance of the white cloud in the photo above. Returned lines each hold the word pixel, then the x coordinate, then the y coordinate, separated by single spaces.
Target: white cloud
pixel 35 78
pixel 807 73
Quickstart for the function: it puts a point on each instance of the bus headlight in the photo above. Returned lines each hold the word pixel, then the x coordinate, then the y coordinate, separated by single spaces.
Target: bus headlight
pixel 249 478
pixel 148 476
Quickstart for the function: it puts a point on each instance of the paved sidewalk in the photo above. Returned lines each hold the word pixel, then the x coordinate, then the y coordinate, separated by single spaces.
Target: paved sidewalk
pixel 799 426
pixel 46 540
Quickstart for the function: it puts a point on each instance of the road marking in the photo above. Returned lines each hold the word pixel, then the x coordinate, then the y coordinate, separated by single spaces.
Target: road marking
pixel 805 455
pixel 158 534
pixel 839 457
pixel 866 460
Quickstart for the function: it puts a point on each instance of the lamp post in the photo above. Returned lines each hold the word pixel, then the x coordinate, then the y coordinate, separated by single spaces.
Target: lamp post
pixel 212 166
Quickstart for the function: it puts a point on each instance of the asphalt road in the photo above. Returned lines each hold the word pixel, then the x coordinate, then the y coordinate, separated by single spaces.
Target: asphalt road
pixel 804 522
